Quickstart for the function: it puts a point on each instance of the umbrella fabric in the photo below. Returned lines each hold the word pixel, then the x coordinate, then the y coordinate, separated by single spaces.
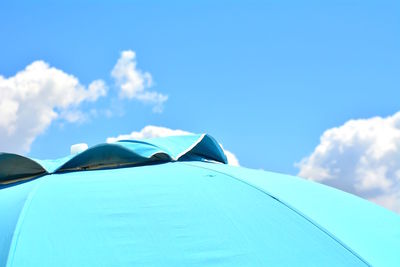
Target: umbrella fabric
pixel 173 202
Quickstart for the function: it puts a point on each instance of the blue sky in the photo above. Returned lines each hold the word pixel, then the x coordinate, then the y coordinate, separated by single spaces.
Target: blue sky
pixel 266 78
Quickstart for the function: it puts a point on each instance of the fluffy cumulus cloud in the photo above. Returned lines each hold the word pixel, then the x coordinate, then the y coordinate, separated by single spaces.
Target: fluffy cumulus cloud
pixel 135 84
pixel 33 98
pixel 151 131
pixel 40 94
pixel 361 157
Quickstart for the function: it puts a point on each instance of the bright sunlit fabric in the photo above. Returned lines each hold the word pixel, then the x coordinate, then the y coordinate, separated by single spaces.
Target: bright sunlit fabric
pixel 167 209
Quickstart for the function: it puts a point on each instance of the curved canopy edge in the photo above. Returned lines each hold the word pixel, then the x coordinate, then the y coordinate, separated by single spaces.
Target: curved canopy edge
pixel 14 168
pixel 124 153
pixel 105 156
pixel 195 146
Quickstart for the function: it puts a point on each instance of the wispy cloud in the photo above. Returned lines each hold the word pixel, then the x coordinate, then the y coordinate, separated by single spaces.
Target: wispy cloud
pixel 361 157
pixel 151 131
pixel 134 84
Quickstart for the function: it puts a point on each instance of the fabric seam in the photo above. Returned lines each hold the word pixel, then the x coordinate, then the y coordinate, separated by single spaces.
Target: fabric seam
pixel 320 227
pixel 18 226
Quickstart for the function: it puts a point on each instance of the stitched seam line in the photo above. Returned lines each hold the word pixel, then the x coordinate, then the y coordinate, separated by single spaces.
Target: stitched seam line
pixel 18 227
pixel 321 228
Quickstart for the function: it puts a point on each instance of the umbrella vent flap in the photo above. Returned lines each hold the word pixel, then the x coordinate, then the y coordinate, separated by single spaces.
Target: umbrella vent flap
pixel 14 168
pixel 125 153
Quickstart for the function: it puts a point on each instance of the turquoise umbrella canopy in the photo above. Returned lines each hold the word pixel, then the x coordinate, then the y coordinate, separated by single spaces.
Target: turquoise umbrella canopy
pixel 175 202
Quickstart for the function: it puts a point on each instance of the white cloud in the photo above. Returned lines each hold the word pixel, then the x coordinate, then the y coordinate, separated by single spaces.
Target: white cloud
pixel 361 157
pixel 151 131
pixel 232 159
pixel 134 84
pixel 148 131
pixel 32 99
pixel 78 148
pixel 40 94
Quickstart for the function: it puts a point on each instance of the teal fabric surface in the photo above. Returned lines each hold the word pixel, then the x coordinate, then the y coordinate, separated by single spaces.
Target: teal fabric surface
pixel 170 202
pixel 199 144
pixel 113 155
pixel 164 215
pixel 12 201
pixel 51 165
pixel 367 229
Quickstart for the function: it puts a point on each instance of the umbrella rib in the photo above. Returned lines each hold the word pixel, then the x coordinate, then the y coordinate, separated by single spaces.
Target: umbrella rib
pixel 20 222
pixel 320 227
